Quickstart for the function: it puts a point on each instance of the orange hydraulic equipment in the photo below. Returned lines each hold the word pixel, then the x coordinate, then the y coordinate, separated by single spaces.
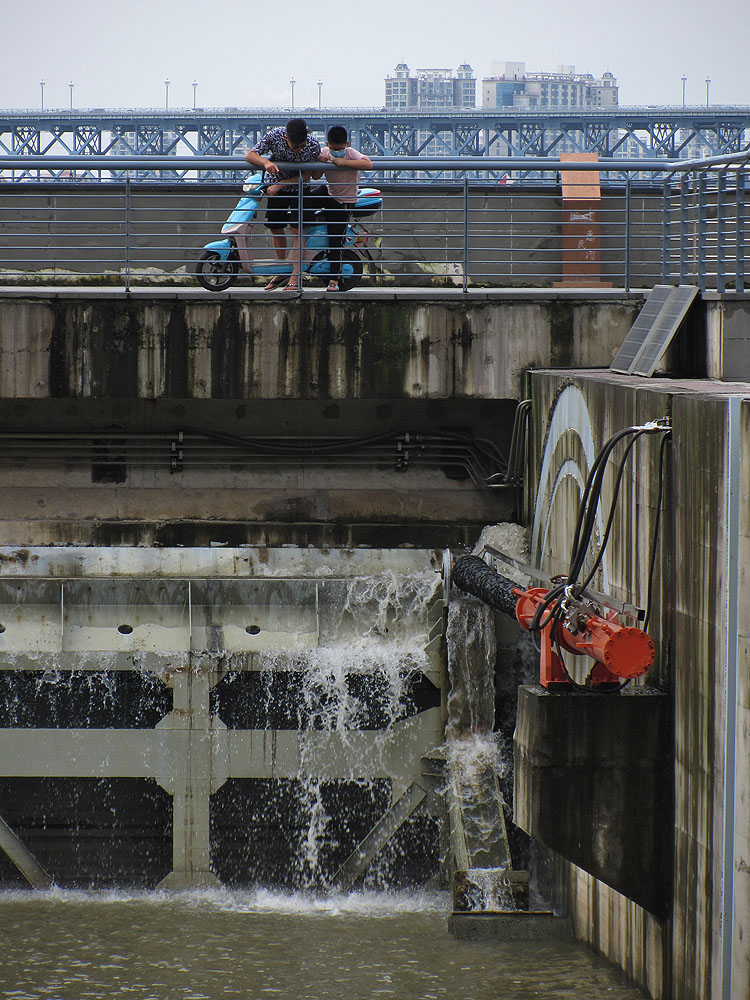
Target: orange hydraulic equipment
pixel 564 622
pixel 622 652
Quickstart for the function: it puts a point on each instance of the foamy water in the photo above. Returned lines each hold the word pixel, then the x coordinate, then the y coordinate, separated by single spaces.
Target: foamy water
pixel 363 904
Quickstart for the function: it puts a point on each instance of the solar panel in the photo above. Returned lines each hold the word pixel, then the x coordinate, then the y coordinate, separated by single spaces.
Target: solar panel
pixel 653 330
pixel 661 333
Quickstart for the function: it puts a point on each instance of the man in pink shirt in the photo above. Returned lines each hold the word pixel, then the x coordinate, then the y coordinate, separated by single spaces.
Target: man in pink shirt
pixel 338 197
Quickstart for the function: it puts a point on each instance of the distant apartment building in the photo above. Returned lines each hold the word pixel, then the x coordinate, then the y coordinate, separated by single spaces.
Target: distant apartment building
pixel 510 86
pixel 430 88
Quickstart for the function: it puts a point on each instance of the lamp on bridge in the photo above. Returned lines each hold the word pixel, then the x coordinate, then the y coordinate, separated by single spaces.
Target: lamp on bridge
pixel 195 89
pixel 684 81
pixel 708 84
pixel 71 85
pixel 291 83
pixel 166 95
pixel 41 84
pixel 320 94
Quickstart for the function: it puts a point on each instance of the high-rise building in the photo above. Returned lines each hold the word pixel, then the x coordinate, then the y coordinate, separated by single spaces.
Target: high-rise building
pixel 401 89
pixel 430 88
pixel 512 87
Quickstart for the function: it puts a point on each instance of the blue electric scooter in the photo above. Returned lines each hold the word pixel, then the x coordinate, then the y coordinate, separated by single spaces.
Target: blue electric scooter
pixel 222 261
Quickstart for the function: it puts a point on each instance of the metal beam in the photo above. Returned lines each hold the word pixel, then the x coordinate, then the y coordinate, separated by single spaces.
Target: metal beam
pixel 378 837
pixel 22 858
pixel 667 131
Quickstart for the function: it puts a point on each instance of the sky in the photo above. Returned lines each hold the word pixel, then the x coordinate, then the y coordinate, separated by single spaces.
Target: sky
pixel 244 53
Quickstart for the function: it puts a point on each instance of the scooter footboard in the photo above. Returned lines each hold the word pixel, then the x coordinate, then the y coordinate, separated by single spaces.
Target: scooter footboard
pixel 322 268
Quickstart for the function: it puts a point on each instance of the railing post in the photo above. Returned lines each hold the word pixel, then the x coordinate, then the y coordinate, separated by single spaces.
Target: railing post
pixel 721 230
pixel 300 228
pixel 627 235
pixel 683 229
pixel 702 231
pixel 666 207
pixel 466 233
pixel 739 277
pixel 127 231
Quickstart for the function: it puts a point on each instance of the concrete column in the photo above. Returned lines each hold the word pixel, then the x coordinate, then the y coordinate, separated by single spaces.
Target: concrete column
pixel 191 783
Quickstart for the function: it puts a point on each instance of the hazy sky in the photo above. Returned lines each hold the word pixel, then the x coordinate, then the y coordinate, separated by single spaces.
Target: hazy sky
pixel 245 53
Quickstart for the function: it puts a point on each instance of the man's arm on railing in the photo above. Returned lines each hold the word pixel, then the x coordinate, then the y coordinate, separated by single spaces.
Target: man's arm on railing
pixel 261 161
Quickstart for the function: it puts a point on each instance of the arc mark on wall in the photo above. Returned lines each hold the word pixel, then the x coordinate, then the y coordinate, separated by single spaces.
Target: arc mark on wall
pixel 570 415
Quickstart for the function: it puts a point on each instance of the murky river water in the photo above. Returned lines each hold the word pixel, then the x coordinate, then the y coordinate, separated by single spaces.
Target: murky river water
pixel 215 945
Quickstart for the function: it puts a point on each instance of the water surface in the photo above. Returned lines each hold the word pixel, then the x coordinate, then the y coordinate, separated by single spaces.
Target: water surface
pixel 216 945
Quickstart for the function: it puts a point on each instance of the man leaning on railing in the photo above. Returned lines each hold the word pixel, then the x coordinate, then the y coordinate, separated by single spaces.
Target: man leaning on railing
pixel 291 144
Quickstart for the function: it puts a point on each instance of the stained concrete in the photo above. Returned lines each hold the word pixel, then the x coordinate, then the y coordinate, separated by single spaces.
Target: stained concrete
pixel 593 782
pixel 225 348
pixel 573 414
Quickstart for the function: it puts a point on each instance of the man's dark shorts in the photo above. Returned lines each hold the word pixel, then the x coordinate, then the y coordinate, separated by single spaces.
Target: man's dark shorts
pixel 282 210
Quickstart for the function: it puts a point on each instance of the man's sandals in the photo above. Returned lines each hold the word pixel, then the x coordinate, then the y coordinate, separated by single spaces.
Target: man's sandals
pixel 276 282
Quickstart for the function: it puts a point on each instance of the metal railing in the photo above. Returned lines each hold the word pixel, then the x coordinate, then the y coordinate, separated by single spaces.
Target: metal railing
pixel 107 220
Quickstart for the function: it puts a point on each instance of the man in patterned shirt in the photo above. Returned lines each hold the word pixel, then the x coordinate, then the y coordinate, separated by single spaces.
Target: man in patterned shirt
pixel 291 144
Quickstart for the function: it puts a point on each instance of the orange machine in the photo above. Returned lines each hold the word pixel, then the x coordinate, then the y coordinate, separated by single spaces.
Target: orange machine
pixel 622 652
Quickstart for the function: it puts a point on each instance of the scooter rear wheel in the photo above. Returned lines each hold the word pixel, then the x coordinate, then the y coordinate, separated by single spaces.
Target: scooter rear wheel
pixel 215 272
pixel 345 281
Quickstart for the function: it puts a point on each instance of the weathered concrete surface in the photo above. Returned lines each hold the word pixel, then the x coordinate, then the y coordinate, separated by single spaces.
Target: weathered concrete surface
pixel 515 232
pixel 233 496
pixel 311 350
pixel 593 782
pixel 573 414
pixel 271 367
pixel 728 326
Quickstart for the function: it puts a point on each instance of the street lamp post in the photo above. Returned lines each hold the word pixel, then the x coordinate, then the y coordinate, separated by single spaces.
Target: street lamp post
pixel 708 84
pixel 684 81
pixel 291 83
pixel 195 90
pixel 41 86
pixel 320 94
pixel 71 85
pixel 166 95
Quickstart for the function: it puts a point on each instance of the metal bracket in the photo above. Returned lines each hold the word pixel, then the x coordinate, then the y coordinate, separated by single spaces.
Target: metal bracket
pixel 536 576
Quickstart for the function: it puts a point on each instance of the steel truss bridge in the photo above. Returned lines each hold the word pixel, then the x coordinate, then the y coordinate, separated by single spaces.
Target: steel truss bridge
pixel 648 133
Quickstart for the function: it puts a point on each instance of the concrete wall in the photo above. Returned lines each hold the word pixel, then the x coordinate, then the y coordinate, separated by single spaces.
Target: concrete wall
pixel 515 232
pixel 702 553
pixel 107 346
pixel 267 367
pixel 728 336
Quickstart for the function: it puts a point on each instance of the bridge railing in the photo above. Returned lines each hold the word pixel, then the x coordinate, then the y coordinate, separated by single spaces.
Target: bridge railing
pixel 145 220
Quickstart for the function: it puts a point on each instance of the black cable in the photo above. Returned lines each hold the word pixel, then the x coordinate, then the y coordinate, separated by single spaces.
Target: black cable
pixel 589 502
pixel 550 611
pixel 655 533
pixel 485 448
pixel 611 517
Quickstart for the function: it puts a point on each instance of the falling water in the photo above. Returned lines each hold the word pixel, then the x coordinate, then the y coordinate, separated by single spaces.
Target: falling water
pixel 359 678
pixel 477 757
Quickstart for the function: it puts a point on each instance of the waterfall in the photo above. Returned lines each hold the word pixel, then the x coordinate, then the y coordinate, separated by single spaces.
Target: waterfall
pixel 245 717
pixel 477 757
pixel 360 678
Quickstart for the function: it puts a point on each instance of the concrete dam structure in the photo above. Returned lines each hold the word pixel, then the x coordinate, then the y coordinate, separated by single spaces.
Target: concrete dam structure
pixel 230 651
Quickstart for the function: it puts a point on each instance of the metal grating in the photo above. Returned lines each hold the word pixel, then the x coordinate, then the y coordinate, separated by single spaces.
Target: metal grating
pixel 653 330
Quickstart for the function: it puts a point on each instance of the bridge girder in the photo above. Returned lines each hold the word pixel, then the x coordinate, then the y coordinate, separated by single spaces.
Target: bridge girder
pixel 668 132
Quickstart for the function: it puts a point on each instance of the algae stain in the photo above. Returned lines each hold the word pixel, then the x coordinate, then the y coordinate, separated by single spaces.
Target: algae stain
pixel 561 335
pixel 386 349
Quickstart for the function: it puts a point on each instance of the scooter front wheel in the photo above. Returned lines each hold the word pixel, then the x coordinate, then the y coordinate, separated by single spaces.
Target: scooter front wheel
pixel 214 272
pixel 352 274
